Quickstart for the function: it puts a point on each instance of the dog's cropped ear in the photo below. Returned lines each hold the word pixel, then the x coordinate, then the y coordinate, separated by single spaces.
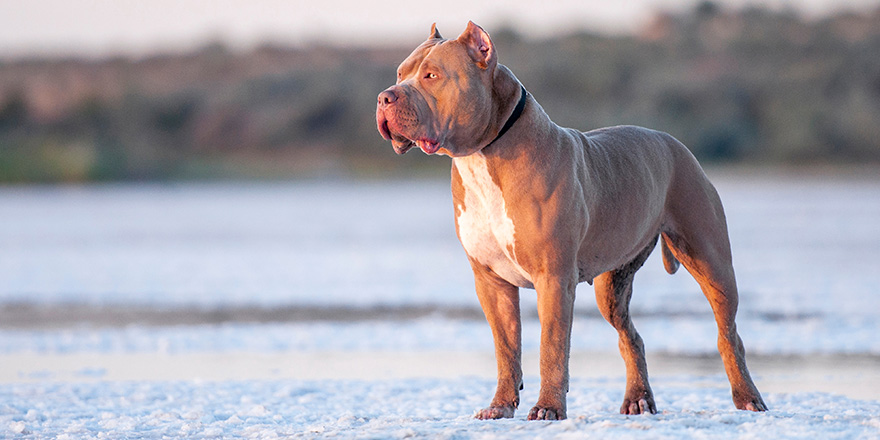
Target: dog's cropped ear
pixel 479 46
pixel 435 34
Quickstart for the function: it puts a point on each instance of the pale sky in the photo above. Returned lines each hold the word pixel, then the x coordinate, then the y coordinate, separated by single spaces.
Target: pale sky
pixel 104 27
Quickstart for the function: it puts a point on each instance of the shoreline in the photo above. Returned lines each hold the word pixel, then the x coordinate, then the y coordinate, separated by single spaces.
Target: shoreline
pixel 854 376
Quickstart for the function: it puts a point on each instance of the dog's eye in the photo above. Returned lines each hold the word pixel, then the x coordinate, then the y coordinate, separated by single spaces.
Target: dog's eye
pixel 430 75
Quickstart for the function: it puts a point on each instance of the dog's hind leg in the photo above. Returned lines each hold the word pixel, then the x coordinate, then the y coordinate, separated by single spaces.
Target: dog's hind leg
pixel 696 234
pixel 613 293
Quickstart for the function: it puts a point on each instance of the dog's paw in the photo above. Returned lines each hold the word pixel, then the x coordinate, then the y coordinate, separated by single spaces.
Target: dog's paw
pixel 644 405
pixel 749 399
pixel 638 400
pixel 755 404
pixel 495 412
pixel 545 413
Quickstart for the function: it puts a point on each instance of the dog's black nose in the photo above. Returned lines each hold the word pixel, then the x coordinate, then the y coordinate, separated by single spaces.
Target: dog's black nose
pixel 387 97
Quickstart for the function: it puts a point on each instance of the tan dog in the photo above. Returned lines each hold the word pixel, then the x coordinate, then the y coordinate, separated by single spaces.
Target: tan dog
pixel 545 207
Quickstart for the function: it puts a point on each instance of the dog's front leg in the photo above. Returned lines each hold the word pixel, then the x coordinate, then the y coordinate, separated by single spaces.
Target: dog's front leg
pixel 500 302
pixel 555 308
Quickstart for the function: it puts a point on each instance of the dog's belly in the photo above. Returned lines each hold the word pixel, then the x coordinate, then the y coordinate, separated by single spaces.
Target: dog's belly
pixel 484 226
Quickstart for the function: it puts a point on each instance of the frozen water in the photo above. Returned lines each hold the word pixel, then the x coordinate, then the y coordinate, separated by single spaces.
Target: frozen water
pixel 326 243
pixel 802 246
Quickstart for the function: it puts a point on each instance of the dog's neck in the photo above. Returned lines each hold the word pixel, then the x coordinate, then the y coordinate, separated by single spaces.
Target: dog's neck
pixel 507 98
pixel 514 116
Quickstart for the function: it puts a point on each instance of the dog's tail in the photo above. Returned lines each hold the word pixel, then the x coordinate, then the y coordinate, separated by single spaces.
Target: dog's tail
pixel 669 261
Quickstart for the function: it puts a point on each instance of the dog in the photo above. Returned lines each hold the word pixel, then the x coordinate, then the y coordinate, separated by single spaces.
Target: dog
pixel 546 207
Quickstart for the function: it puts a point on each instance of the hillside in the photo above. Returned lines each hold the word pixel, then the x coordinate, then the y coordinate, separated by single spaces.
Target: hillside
pixel 751 87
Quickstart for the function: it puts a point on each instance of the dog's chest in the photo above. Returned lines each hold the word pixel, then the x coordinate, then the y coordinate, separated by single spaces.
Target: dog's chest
pixel 484 225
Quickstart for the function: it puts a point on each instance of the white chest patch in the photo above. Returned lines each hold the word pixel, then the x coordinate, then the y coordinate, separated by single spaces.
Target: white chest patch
pixel 484 226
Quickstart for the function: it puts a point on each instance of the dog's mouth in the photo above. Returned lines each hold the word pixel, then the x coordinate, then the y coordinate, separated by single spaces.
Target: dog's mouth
pixel 428 146
pixel 401 143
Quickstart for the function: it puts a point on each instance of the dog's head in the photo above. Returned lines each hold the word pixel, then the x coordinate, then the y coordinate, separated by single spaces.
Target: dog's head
pixel 443 99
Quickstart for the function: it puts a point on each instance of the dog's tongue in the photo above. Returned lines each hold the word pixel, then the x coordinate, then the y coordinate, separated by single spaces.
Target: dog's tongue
pixel 428 146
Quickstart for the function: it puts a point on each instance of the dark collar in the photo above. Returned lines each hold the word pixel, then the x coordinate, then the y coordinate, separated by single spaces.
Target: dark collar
pixel 517 112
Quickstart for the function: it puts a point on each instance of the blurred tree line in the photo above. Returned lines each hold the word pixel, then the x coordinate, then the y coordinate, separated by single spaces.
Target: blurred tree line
pixel 752 86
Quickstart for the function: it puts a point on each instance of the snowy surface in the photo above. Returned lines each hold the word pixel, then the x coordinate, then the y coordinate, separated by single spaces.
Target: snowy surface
pixel 407 409
pixel 806 249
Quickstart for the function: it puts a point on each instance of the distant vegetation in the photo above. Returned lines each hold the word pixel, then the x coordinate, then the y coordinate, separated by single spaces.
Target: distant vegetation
pixel 751 86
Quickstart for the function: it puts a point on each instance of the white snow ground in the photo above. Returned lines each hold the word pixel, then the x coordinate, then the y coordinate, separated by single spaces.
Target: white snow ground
pixel 409 408
pixel 806 251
